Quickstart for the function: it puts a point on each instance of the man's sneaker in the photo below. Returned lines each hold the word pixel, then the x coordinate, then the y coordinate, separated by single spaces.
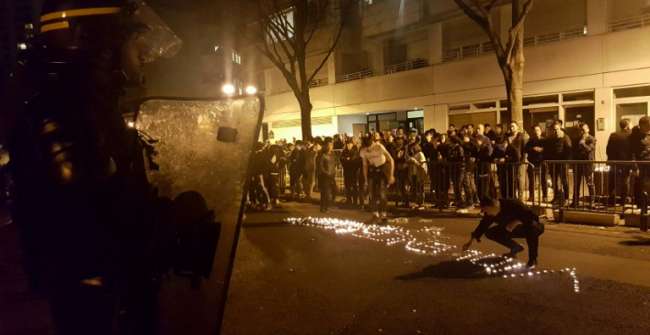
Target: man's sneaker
pixel 514 251
pixel 384 215
pixel 375 215
pixel 531 264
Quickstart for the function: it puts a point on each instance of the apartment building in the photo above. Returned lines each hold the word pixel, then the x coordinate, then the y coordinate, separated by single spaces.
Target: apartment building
pixel 423 64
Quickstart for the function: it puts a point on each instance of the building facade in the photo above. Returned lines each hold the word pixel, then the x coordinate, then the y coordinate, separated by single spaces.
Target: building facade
pixel 423 64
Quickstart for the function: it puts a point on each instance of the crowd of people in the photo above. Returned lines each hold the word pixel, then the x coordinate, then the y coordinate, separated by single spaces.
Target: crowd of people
pixel 471 161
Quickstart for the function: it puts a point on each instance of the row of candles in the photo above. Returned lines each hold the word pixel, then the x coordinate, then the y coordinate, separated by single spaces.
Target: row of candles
pixel 430 241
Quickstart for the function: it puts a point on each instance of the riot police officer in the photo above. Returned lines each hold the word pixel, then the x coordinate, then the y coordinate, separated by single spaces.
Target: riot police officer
pixel 84 207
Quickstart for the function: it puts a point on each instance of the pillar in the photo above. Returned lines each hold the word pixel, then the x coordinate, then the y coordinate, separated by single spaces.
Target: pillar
pixel 331 68
pixel 436 117
pixel 605 115
pixel 597 17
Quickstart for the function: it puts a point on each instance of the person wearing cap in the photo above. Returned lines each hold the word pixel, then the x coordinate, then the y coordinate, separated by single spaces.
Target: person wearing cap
pixel 351 163
pixel 503 221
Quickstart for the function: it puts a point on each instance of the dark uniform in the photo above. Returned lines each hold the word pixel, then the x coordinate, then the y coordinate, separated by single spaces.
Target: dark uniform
pixel 351 162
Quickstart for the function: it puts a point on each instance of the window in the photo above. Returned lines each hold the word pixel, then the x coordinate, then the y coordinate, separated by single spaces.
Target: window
pixel 282 26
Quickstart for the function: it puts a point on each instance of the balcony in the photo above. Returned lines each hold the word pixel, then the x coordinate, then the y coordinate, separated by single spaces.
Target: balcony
pixel 633 22
pixel 365 73
pixel 406 66
pixel 474 50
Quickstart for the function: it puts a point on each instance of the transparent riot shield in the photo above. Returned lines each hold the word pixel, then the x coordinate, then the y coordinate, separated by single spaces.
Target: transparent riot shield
pixel 202 150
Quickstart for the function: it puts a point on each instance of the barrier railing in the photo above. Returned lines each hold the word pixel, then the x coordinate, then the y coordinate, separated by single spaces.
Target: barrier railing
pixel 614 187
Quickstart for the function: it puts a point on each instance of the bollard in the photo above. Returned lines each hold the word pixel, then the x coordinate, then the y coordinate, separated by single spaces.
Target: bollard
pixel 644 212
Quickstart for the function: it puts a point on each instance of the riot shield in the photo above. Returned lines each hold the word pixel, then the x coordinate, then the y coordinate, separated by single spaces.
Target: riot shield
pixel 202 149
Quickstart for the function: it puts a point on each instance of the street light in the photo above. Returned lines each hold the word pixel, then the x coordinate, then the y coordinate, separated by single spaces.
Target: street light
pixel 228 89
pixel 251 90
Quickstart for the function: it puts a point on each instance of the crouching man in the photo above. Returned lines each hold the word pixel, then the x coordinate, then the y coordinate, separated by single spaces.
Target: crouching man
pixel 513 219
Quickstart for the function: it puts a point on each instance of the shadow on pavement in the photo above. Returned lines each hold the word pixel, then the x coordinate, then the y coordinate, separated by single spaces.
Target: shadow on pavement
pixel 638 241
pixel 451 269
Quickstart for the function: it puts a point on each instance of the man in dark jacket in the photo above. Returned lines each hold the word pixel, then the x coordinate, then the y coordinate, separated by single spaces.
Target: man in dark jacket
pixel 559 148
pixel 513 219
pixel 485 184
pixel 296 169
pixel 640 145
pixel 326 166
pixel 585 151
pixel 618 149
pixel 430 150
pixel 535 156
pixel 351 162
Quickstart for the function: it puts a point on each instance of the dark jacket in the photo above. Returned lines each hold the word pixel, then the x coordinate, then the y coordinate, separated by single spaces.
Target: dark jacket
pixel 519 143
pixel 511 209
pixel 618 146
pixel 535 157
pixel 350 159
pixel 485 149
pixel 327 164
pixel 586 148
pixel 559 148
pixel 430 152
pixel 640 145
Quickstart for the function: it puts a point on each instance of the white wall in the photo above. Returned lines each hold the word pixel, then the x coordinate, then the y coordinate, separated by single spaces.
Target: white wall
pixel 345 122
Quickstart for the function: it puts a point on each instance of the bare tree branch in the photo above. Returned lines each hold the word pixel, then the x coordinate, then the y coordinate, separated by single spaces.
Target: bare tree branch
pixel 516 29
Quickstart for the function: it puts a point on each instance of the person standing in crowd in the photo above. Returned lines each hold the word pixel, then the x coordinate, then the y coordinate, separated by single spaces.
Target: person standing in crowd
pixel 296 169
pixel 484 182
pixel 430 150
pixel 470 152
pixel 400 156
pixel 326 173
pixel 456 160
pixel 258 193
pixel 378 171
pixel 451 131
pixel 640 145
pixel 517 141
pixel 400 134
pixel 618 149
pixel 535 157
pixel 585 151
pixel 498 132
pixel 442 178
pixel 417 174
pixel 350 160
pixel 338 142
pixel 309 169
pixel 273 160
pixel 489 132
pixel 507 159
pixel 559 149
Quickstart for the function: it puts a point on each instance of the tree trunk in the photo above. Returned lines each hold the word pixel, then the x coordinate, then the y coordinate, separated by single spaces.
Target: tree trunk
pixel 305 116
pixel 517 84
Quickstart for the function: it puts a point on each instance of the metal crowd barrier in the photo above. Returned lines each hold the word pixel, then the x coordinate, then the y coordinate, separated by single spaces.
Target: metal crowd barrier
pixel 613 187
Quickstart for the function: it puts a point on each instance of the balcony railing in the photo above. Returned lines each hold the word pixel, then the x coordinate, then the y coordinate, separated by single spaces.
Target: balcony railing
pixel 479 49
pixel 467 51
pixel 555 37
pixel 406 66
pixel 633 22
pixel 355 76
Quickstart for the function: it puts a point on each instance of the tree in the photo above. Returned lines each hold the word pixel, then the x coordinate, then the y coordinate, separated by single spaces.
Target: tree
pixel 284 32
pixel 510 55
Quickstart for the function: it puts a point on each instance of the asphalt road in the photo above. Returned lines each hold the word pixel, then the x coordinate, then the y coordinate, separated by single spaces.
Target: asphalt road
pixel 300 280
